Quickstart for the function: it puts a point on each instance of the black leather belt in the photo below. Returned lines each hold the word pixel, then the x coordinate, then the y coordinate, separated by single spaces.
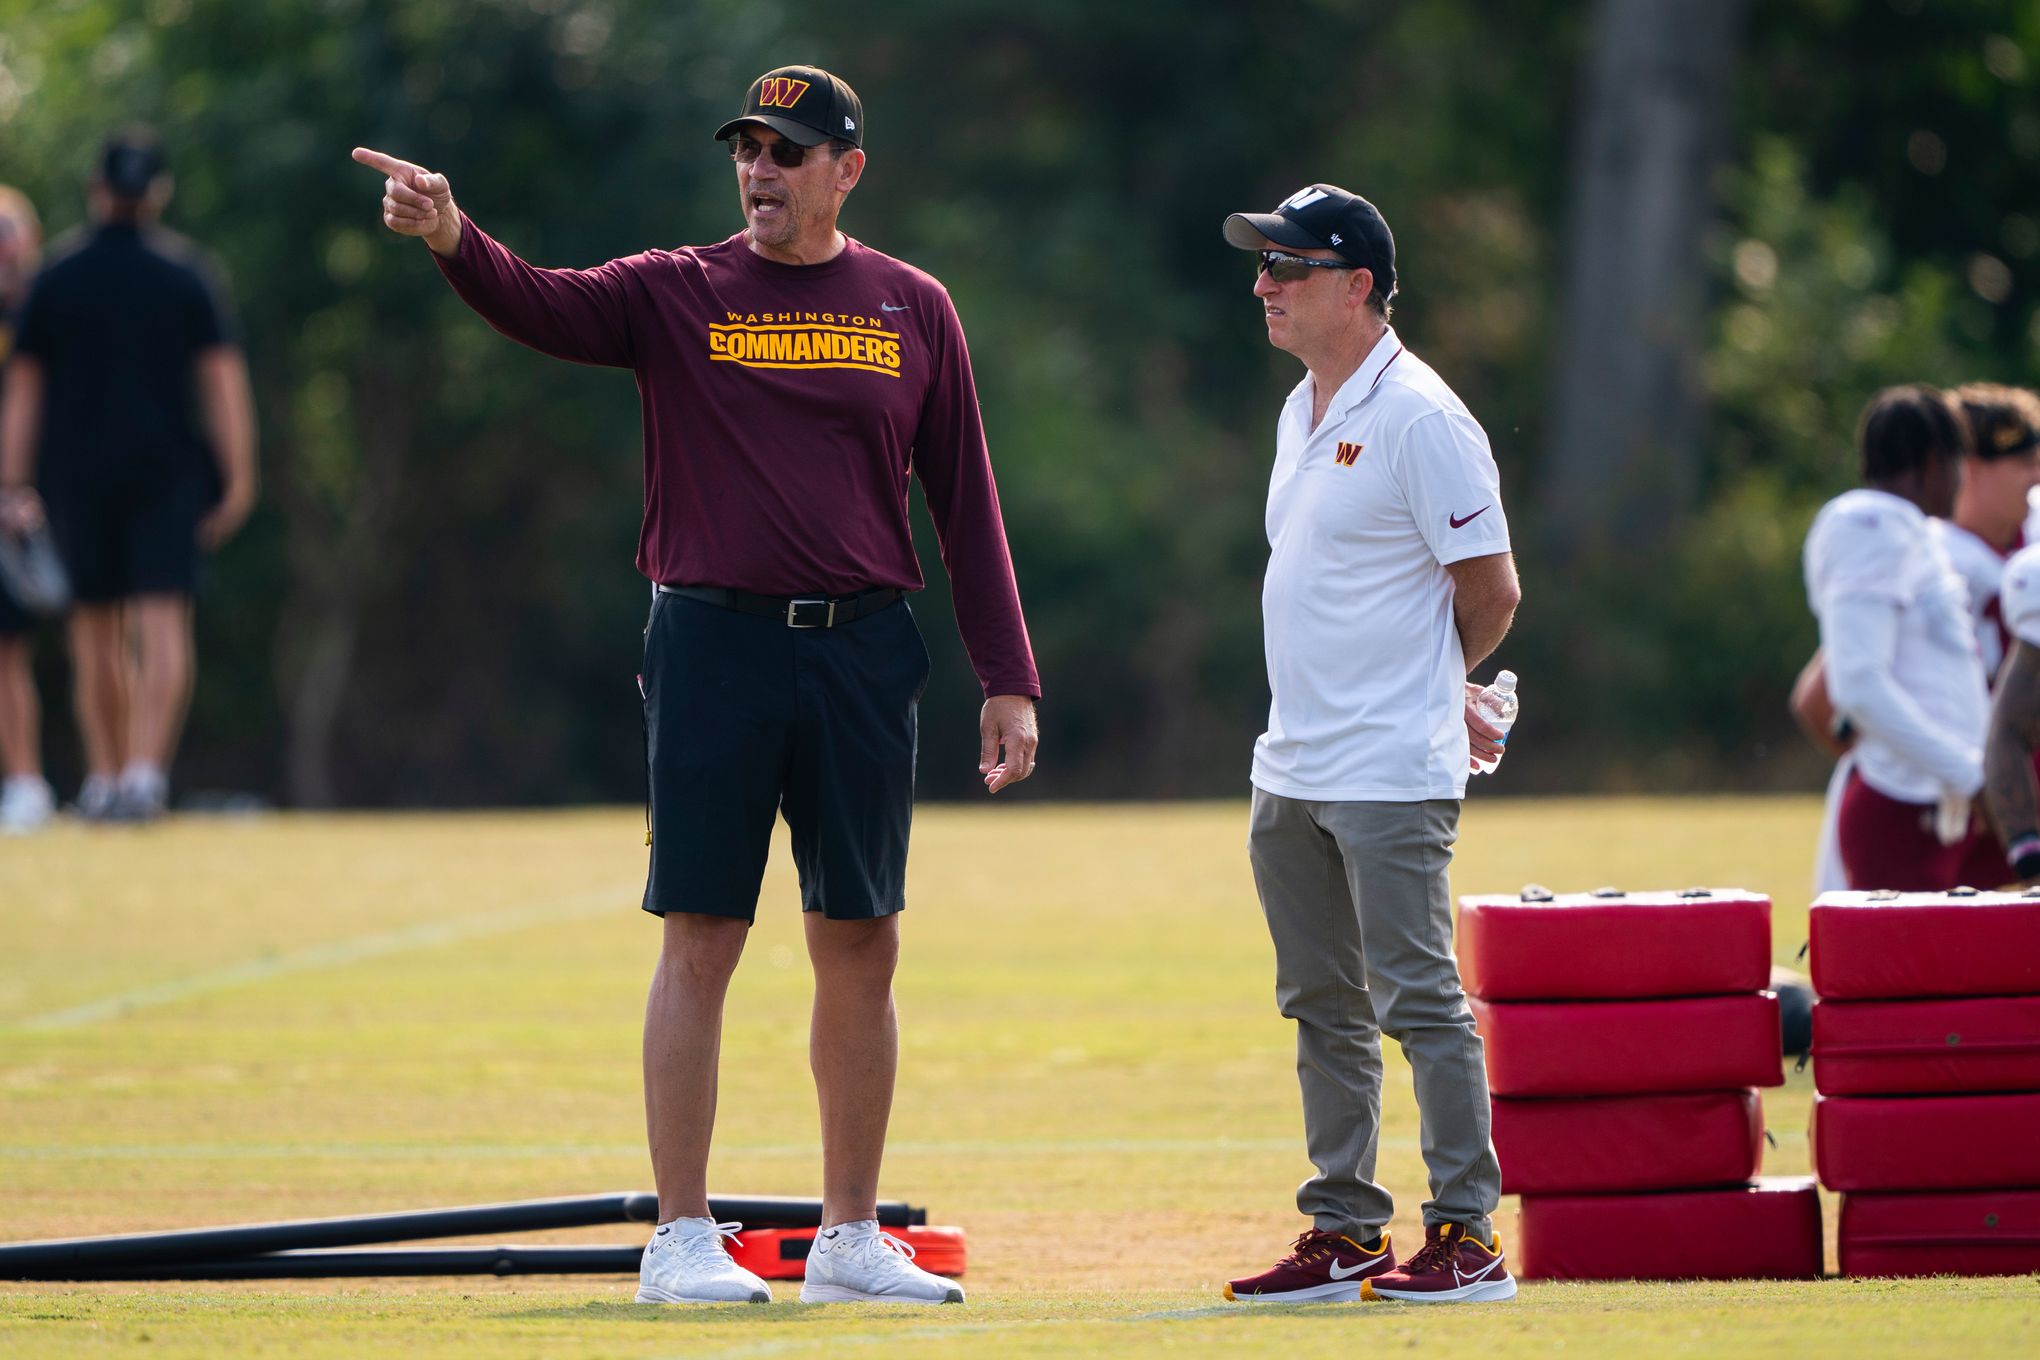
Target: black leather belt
pixel 795 611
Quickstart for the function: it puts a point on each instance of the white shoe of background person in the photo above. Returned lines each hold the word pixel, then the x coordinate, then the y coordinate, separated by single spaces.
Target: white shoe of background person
pixel 141 795
pixel 686 1262
pixel 856 1263
pixel 26 803
pixel 96 796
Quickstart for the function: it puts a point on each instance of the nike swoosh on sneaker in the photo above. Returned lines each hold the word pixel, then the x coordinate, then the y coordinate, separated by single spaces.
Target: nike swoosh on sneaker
pixel 1458 522
pixel 1339 1274
pixel 1461 1278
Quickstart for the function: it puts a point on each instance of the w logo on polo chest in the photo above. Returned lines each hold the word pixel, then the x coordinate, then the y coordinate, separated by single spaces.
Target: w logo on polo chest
pixel 1348 454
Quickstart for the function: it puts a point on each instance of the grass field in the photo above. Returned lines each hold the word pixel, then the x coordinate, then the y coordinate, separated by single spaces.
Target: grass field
pixel 225 1021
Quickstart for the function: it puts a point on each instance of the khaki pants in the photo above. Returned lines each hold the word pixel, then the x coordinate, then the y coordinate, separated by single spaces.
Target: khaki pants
pixel 1358 905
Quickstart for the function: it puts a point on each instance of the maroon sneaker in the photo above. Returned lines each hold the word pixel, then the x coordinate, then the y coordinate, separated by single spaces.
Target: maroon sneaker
pixel 1320 1266
pixel 1452 1267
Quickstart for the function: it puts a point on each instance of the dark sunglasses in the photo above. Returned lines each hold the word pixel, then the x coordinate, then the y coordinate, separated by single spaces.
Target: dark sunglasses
pixel 786 155
pixel 1283 267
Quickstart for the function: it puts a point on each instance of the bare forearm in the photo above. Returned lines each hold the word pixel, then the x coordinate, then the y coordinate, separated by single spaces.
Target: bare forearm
pixel 230 419
pixel 1481 631
pixel 20 414
pixel 1485 594
pixel 2008 785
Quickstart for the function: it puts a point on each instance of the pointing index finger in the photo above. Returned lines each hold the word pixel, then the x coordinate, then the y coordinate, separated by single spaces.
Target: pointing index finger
pixel 388 165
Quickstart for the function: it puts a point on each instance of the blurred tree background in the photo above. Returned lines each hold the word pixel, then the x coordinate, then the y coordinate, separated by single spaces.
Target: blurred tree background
pixel 1664 260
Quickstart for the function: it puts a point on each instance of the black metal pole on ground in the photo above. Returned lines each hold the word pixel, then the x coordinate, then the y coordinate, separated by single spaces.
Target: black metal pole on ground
pixel 532 1215
pixel 780 1211
pixel 281 1265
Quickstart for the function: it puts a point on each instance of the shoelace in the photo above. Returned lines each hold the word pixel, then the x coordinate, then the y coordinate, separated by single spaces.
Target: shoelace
pixel 1311 1245
pixel 1433 1255
pixel 705 1248
pixel 887 1251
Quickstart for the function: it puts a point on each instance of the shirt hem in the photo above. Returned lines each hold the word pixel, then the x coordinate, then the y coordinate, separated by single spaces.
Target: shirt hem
pixel 1358 795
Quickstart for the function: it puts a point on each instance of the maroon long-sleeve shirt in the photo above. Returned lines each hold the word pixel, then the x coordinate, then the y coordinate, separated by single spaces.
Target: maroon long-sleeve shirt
pixel 785 407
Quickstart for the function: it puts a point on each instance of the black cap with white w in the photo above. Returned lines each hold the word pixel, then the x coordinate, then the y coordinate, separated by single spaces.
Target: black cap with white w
pixel 1324 217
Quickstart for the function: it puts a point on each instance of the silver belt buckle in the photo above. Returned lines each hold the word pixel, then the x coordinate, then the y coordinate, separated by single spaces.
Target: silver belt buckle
pixel 792 606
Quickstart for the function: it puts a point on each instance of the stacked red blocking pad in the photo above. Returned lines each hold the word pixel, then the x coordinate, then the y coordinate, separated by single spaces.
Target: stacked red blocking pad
pixel 1626 1035
pixel 1926 1064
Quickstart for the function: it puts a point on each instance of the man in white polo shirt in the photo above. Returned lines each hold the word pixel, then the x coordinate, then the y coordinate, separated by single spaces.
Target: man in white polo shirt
pixel 1389 577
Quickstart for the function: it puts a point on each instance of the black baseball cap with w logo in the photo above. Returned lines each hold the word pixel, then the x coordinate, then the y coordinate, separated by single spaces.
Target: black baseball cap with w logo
pixel 1324 217
pixel 803 104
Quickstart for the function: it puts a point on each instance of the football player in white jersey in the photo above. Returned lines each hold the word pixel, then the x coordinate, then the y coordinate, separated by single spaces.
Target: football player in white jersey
pixel 1901 654
pixel 1994 517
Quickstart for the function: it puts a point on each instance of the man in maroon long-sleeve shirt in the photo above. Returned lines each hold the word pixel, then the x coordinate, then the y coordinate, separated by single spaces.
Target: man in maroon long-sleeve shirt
pixel 791 379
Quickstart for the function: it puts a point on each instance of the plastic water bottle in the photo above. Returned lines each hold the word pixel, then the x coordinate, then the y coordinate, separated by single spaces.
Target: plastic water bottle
pixel 1497 703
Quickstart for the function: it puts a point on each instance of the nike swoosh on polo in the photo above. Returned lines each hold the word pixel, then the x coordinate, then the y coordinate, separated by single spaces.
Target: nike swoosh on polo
pixel 1459 1277
pixel 888 307
pixel 1460 522
pixel 1339 1274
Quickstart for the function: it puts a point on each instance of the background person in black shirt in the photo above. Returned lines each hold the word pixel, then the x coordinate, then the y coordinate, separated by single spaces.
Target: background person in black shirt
pixel 128 402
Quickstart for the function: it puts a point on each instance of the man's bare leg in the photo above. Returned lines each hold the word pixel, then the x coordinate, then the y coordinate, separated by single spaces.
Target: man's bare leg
pixel 683 1045
pixel 20 715
pixel 854 1048
pixel 162 630
pixel 99 686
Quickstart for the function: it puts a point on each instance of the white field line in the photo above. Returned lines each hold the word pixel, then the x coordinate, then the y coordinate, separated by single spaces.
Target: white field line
pixel 453 1152
pixel 338 954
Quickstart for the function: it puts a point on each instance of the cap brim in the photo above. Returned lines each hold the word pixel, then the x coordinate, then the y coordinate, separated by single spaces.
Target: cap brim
pixel 1254 231
pixel 800 134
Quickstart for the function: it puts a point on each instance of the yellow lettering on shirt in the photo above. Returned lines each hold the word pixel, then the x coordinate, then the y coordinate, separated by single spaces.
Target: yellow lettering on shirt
pixel 798 340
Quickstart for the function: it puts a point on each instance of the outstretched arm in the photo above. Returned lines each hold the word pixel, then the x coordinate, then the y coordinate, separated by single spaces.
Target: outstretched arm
pixel 577 314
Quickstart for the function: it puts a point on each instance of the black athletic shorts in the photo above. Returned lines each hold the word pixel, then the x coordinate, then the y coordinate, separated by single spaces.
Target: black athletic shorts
pixel 122 538
pixel 747 719
pixel 14 620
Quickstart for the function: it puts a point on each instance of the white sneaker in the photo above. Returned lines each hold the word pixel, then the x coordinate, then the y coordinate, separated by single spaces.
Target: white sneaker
pixel 96 796
pixel 686 1262
pixel 856 1263
pixel 26 803
pixel 142 795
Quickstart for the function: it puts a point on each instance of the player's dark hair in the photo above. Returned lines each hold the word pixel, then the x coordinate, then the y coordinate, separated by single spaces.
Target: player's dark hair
pixel 131 162
pixel 1906 429
pixel 2004 422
